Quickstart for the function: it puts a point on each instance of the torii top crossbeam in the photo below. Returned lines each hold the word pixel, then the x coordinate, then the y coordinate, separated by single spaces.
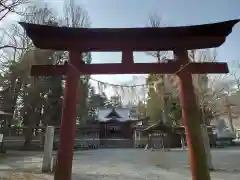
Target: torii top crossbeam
pixel 135 39
pixel 128 40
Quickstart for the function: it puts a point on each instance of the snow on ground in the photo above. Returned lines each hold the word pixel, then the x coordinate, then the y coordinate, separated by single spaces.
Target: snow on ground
pixel 124 164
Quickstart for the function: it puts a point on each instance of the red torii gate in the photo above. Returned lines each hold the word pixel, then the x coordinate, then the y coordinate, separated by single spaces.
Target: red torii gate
pixel 127 40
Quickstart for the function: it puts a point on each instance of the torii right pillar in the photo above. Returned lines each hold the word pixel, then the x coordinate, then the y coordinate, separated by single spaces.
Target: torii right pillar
pixel 192 124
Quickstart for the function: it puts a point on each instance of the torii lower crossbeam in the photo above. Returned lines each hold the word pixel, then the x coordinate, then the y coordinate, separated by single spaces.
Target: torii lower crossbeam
pixel 138 68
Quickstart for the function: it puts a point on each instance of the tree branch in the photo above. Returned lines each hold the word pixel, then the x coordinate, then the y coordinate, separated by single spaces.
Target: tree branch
pixel 9 6
pixel 13 47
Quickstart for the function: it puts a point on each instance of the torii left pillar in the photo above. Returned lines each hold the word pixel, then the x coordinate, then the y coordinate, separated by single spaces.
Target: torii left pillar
pixel 68 121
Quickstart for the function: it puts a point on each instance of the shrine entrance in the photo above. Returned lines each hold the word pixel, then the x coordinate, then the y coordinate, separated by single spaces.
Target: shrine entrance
pixel 127 40
pixel 115 134
pixel 113 131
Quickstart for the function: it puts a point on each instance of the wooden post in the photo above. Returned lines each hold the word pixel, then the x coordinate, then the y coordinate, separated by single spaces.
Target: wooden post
pixel 68 122
pixel 191 117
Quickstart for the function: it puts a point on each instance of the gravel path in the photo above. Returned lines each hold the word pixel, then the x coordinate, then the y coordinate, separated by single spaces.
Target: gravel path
pixel 122 164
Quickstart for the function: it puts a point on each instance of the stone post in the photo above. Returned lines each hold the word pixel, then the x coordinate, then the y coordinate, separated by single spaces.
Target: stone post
pixel 48 147
pixel 135 138
pixel 182 141
pixel 207 146
pixel 41 138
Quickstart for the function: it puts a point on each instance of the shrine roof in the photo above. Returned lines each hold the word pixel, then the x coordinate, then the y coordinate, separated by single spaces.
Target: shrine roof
pixel 113 114
pixel 123 114
pixel 166 128
pixel 136 39
pixel 159 127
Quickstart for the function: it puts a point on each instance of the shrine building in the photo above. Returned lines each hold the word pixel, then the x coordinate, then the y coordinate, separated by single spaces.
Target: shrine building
pixel 117 123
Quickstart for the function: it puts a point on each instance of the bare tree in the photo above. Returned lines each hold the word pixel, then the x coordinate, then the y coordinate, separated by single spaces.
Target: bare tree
pixel 235 74
pixel 9 42
pixel 155 22
pixel 74 15
pixel 222 85
pixel 9 6
pixel 163 83
pixel 16 39
pixel 203 83
pixel 221 90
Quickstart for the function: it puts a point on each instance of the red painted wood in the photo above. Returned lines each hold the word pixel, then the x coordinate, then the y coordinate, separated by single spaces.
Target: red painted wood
pixel 138 68
pixel 163 44
pixel 137 39
pixel 191 118
pixel 68 123
pixel 127 58
pixel 45 31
